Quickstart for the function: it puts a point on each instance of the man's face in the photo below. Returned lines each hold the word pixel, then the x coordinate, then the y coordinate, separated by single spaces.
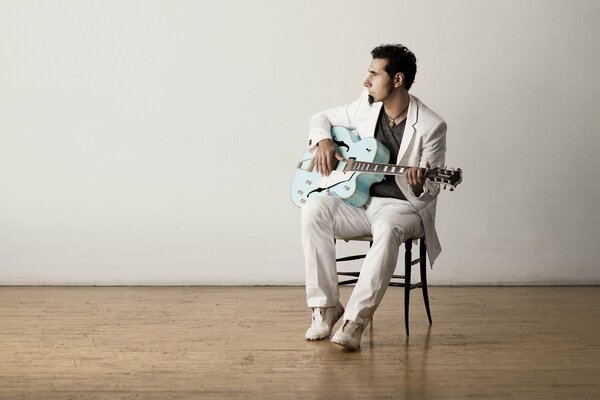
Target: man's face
pixel 378 82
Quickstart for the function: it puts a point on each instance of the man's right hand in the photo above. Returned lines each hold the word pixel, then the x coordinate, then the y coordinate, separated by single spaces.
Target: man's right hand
pixel 325 156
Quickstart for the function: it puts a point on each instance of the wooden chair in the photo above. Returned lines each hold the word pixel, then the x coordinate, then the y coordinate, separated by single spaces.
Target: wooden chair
pixel 397 280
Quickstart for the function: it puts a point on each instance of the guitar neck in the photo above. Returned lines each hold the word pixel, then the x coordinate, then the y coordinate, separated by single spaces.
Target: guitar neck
pixel 374 168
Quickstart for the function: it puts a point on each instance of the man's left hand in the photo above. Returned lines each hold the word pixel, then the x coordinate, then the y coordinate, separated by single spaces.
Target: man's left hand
pixel 415 177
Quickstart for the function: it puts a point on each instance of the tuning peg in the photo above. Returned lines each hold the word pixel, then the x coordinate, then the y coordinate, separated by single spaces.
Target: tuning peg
pixel 452 189
pixel 445 187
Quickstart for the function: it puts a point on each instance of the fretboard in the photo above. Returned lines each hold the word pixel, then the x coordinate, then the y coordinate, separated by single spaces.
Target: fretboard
pixel 377 168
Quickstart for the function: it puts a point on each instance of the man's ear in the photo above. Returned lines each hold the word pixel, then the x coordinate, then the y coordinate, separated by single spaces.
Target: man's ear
pixel 398 79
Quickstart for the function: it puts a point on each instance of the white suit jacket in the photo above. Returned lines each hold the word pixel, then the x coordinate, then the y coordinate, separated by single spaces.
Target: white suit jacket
pixel 424 140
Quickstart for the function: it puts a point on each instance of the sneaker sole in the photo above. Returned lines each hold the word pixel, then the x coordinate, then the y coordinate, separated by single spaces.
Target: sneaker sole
pixel 341 342
pixel 314 339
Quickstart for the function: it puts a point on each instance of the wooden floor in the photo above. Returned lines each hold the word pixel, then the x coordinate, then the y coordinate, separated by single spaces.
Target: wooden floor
pixel 248 342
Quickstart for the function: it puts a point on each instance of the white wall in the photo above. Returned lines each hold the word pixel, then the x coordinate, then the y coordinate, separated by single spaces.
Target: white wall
pixel 153 142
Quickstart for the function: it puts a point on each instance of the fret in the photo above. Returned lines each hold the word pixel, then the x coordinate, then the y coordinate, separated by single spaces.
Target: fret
pixel 377 168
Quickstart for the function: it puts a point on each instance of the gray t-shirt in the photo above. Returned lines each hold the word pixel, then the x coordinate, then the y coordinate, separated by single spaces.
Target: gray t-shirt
pixel 390 138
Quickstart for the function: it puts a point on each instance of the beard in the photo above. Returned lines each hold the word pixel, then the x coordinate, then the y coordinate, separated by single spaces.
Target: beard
pixel 390 89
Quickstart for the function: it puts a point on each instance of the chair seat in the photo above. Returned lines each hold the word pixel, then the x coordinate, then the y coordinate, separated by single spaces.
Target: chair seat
pixel 363 238
pixel 357 238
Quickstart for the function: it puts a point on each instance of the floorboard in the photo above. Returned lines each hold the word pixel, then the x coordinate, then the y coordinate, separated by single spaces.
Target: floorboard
pixel 248 342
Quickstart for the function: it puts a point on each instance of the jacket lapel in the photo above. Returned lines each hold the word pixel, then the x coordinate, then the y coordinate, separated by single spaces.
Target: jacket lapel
pixel 409 130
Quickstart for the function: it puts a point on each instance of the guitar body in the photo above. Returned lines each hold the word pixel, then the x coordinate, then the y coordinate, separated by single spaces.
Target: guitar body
pixel 352 187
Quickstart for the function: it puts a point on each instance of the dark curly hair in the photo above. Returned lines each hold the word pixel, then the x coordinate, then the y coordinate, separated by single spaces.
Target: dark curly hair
pixel 400 59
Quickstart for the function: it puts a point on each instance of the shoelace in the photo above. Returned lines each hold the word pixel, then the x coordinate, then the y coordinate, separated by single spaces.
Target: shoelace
pixel 319 312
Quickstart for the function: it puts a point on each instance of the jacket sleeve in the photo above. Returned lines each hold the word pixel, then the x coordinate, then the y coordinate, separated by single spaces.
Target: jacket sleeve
pixel 434 151
pixel 322 122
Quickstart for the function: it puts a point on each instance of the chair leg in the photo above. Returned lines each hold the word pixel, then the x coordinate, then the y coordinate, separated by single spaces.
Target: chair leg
pixel 423 265
pixel 407 270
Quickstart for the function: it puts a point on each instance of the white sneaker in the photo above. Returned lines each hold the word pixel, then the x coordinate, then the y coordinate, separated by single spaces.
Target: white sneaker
pixel 323 320
pixel 349 335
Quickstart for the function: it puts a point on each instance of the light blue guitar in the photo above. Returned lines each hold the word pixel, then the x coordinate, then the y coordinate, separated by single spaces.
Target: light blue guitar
pixel 364 164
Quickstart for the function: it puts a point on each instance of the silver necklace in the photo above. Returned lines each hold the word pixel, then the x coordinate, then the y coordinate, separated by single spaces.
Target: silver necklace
pixel 392 121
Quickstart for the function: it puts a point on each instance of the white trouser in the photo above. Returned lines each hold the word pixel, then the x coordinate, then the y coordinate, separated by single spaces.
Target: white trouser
pixel 389 221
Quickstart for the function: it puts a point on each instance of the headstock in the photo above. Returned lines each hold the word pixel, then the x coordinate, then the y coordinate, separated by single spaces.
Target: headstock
pixel 446 177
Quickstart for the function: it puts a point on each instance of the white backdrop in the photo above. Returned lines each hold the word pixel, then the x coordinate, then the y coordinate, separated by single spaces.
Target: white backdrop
pixel 153 142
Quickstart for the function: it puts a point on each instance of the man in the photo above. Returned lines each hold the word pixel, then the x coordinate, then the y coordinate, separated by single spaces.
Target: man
pixel 399 208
